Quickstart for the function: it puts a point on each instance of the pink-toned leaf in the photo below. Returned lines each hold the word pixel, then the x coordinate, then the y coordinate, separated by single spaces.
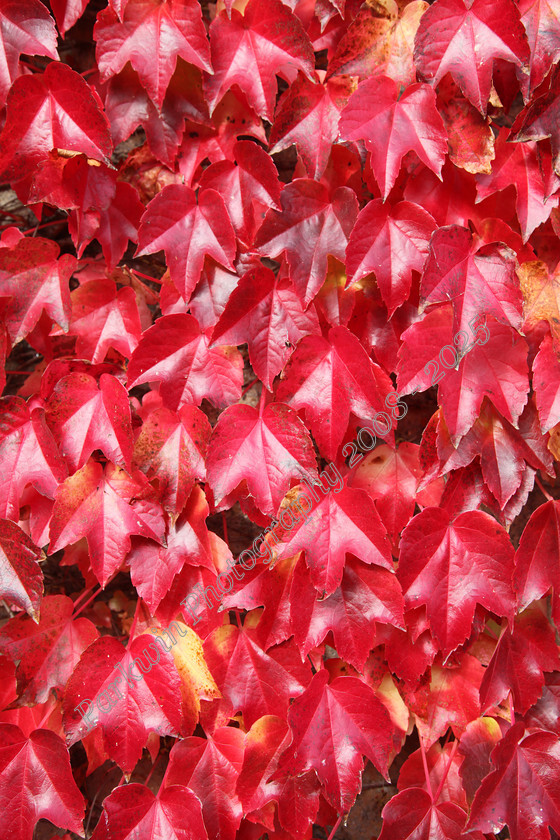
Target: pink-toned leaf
pixel 452 565
pixel 106 508
pixel 172 448
pixel 330 378
pixel 52 110
pixel 187 230
pixel 151 36
pixel 247 50
pixel 85 415
pixel 176 353
pixel 265 312
pixel 307 115
pixel 464 38
pixel 36 783
pixel 21 577
pixel 29 455
pixel 391 242
pixel 342 521
pixel 310 226
pixel 133 811
pixel 248 184
pixel 47 652
pixel 24 28
pixel 333 726
pixel 267 450
pixel 391 127
pixel 126 693
pixel 210 768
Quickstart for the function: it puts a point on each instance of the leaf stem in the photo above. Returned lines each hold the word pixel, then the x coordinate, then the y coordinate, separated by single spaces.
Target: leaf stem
pixel 543 491
pixel 32 231
pixel 425 763
pixel 89 600
pixel 335 829
pixel 248 387
pixel 48 713
pixel 146 276
pixel 83 595
pixel 444 777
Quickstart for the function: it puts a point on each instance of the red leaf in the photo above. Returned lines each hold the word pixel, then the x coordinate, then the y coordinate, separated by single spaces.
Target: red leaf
pixel 127 105
pixel 36 280
pixel 307 115
pixel 153 567
pixel 211 768
pixel 231 119
pixel 540 19
pixel 151 29
pixel 250 48
pixel 297 797
pixel 391 242
pixel 545 714
pixel 331 378
pixel 506 453
pixel 209 299
pixel 414 812
pixel 172 448
pixel 104 318
pixel 536 560
pixel 265 312
pixel 147 700
pixel 524 789
pixel 478 279
pixel 48 651
pixel 464 38
pixel 85 415
pixel 176 353
pixel 24 28
pixel 75 121
pixel 36 783
pixel 518 663
pixel 67 13
pixel 310 226
pixel 342 522
pixel 519 164
pixel 106 508
pixel 21 577
pixel 452 565
pixel 477 743
pixel 378 40
pixel 390 477
pixel 443 769
pixel 333 726
pixel 133 811
pixel 29 455
pixel 366 595
pixel 391 127
pixel 272 677
pixel 546 384
pixel 450 699
pixel 494 365
pixel 266 449
pixel 540 119
pixel 119 223
pixel 249 185
pixel 187 231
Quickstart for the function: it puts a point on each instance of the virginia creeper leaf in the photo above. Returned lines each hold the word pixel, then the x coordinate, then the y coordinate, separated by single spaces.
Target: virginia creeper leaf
pixel 36 783
pixel 391 127
pixel 248 49
pixel 464 38
pixel 452 565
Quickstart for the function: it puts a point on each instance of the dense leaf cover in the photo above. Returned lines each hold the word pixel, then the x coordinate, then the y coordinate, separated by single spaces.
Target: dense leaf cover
pixel 241 243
